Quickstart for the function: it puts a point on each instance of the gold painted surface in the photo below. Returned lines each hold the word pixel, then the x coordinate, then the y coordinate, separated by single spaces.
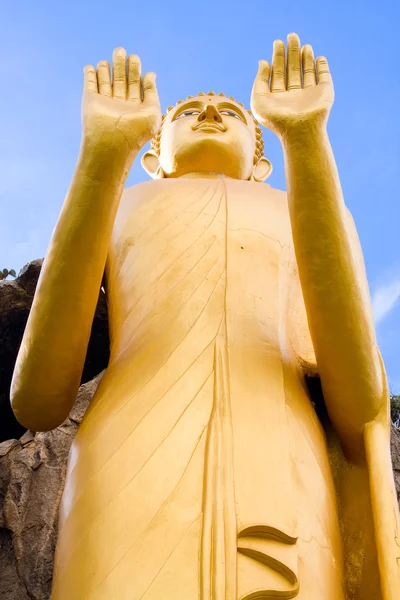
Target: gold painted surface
pixel 202 469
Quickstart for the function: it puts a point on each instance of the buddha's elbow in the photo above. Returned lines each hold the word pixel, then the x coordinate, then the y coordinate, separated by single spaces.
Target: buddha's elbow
pixel 36 411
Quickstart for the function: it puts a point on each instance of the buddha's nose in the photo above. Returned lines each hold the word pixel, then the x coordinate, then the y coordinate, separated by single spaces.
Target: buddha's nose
pixel 210 113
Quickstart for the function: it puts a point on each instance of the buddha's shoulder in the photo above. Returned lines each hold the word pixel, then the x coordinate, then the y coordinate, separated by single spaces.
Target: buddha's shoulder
pixel 236 192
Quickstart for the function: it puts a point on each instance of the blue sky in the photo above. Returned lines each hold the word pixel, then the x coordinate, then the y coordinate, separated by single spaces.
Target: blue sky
pixel 202 46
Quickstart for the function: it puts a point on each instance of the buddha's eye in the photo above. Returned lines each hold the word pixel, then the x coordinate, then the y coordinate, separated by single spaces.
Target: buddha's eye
pixel 229 113
pixel 188 113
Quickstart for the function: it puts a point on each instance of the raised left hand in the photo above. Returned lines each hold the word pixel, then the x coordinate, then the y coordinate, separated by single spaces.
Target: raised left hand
pixel 294 92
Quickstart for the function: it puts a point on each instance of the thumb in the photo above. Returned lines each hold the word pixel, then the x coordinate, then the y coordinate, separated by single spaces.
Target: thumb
pixel 150 93
pixel 261 82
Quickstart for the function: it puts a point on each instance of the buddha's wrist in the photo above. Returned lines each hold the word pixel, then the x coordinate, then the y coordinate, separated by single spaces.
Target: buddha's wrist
pixel 105 163
pixel 301 133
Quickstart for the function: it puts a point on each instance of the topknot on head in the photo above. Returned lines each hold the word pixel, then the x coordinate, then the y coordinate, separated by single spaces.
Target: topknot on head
pixel 259 151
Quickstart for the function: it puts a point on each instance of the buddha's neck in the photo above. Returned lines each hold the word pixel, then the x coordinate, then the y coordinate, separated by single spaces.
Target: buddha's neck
pixel 199 175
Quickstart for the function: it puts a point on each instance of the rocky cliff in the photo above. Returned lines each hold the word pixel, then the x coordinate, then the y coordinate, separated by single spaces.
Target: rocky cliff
pixel 32 474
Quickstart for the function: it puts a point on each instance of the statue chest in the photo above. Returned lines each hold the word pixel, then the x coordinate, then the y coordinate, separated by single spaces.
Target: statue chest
pixel 181 246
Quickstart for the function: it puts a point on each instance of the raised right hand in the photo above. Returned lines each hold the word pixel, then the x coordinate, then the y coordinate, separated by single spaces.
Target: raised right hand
pixel 114 115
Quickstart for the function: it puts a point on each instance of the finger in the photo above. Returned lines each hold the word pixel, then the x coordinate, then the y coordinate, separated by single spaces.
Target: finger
pixel 119 73
pixel 150 93
pixel 323 72
pixel 134 71
pixel 103 78
pixel 308 63
pixel 293 62
pixel 261 82
pixel 90 79
pixel 278 83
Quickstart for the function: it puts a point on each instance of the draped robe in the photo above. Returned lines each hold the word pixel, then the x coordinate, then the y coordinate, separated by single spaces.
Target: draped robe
pixel 201 469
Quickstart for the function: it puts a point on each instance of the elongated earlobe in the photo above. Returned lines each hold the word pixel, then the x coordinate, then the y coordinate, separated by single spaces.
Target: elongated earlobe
pixel 151 164
pixel 261 170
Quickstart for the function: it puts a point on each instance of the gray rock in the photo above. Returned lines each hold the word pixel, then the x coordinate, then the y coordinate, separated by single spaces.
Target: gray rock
pixel 29 275
pixel 395 451
pixel 32 474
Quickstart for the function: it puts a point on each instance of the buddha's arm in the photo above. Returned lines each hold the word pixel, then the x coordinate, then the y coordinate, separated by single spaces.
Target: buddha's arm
pixel 53 349
pixel 331 272
pixel 333 283
pixel 51 358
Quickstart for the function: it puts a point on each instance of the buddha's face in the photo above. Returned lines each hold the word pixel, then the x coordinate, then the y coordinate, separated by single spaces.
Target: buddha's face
pixel 208 134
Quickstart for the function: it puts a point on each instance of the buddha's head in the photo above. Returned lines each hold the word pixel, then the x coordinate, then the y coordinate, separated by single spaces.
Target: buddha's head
pixel 208 133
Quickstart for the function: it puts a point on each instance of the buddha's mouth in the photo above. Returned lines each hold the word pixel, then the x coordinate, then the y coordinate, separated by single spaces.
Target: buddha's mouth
pixel 208 126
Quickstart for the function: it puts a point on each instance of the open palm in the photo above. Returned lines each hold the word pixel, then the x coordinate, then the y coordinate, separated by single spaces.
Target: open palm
pixel 125 110
pixel 294 90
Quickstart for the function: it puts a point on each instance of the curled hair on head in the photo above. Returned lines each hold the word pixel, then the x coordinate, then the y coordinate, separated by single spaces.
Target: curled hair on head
pixel 259 151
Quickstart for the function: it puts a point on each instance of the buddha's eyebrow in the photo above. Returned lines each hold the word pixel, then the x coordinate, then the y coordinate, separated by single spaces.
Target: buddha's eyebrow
pixel 187 105
pixel 228 106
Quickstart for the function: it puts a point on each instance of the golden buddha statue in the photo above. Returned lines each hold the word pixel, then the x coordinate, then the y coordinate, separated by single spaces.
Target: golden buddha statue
pixel 202 469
